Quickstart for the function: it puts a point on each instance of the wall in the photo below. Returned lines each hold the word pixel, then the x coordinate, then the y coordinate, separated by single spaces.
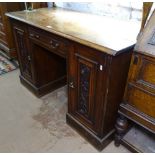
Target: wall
pixel 123 10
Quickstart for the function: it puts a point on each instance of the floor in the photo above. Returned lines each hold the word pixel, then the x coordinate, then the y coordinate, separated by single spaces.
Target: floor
pixel 30 124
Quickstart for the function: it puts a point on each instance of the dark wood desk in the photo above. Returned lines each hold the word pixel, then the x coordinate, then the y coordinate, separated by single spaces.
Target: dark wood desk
pixel 97 60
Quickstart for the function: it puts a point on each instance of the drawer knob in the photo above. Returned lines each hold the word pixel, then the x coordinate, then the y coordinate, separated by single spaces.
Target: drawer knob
pixel 37 36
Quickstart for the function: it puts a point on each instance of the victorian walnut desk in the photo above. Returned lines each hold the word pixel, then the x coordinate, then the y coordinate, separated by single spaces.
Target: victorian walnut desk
pixel 88 52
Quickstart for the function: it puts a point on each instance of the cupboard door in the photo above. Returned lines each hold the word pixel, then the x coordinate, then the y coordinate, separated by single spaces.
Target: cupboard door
pixel 23 53
pixel 85 86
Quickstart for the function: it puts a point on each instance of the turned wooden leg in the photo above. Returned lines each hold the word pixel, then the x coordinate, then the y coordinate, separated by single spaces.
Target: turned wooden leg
pixel 121 126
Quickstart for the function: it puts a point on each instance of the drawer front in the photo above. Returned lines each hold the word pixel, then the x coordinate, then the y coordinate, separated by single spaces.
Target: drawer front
pixel 3 38
pixel 2 28
pixel 141 99
pixel 142 72
pixel 53 42
pixel 147 73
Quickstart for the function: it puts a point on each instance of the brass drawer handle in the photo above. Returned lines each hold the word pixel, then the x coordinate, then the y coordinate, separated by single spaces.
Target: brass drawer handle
pixel 31 35
pixel 71 85
pixel 36 36
pixel 54 44
pixel 29 58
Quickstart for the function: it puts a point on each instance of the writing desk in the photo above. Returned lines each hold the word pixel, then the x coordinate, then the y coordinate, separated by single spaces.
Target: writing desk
pixel 89 52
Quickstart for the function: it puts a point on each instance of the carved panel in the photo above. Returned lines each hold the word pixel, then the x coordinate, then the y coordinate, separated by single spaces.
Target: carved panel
pixel 84 88
pixel 86 81
pixel 23 53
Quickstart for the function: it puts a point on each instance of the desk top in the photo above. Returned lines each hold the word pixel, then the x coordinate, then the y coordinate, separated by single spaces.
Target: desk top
pixel 105 34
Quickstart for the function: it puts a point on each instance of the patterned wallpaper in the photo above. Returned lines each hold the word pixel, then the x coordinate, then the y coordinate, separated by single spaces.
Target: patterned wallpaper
pixel 124 10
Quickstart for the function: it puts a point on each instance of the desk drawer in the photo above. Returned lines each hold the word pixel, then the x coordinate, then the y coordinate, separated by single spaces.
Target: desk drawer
pixel 53 42
pixel 141 99
pixel 3 38
pixel 142 72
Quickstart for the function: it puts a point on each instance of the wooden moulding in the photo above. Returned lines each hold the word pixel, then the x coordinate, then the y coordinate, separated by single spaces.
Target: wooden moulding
pixel 138 117
pixel 98 143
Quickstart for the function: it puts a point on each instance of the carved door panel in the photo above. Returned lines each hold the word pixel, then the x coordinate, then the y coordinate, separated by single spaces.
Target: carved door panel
pixel 85 88
pixel 23 53
pixel 86 81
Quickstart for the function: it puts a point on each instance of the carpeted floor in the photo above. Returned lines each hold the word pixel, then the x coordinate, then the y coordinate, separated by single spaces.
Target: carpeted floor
pixel 6 65
pixel 30 124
